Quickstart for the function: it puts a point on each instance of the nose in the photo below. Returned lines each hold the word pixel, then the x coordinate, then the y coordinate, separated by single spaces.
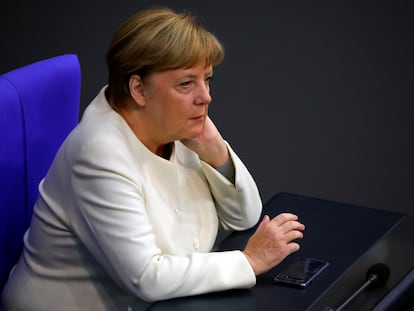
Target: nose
pixel 203 95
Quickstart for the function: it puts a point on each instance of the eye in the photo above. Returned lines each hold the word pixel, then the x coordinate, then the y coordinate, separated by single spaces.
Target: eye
pixel 186 84
pixel 207 81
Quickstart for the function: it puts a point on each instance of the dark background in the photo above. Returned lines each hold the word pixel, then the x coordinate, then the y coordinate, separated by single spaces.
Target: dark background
pixel 315 96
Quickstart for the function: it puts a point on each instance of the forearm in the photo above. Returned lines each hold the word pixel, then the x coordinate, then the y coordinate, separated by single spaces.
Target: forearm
pixel 228 170
pixel 195 274
pixel 238 204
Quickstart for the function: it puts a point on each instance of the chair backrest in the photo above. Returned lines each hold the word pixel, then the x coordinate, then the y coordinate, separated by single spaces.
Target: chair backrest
pixel 39 106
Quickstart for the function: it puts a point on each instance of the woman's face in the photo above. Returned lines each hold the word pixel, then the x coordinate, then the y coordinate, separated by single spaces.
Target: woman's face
pixel 176 102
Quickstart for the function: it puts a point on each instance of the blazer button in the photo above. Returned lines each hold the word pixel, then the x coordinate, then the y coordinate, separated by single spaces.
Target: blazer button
pixel 196 244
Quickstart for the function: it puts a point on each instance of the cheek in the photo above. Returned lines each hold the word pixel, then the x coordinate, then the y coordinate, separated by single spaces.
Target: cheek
pixel 174 108
pixel 181 107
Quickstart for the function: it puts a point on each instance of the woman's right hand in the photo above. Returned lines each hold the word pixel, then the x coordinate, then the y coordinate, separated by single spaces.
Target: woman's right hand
pixel 273 241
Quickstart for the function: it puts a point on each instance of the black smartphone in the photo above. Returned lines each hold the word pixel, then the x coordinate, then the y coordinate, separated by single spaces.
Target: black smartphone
pixel 301 272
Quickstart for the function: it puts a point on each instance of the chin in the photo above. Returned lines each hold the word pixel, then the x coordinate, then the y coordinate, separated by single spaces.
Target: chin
pixel 192 136
pixel 195 131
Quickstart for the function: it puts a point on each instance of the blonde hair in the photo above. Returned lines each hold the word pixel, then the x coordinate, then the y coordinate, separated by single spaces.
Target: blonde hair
pixel 153 40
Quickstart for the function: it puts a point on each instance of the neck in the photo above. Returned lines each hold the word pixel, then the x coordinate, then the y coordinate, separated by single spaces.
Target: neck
pixel 132 118
pixel 166 151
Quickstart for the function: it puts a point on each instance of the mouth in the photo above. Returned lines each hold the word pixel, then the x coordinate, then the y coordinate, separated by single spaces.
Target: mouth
pixel 197 118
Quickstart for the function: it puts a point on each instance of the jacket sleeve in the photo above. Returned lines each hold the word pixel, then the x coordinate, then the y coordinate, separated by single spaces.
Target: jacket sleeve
pixel 111 220
pixel 238 205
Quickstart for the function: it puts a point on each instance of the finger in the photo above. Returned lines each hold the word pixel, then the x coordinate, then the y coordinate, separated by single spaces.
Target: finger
pixel 293 247
pixel 264 222
pixel 293 235
pixel 292 225
pixel 283 218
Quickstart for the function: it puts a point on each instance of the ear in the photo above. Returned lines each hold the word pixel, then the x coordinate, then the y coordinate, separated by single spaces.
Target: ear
pixel 136 89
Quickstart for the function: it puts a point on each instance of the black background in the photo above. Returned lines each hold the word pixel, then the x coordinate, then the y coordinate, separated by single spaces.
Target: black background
pixel 316 97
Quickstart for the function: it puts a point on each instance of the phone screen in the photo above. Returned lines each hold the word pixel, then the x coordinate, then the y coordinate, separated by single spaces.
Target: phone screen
pixel 301 272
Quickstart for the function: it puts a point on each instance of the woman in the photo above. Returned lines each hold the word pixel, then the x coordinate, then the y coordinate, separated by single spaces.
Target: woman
pixel 130 209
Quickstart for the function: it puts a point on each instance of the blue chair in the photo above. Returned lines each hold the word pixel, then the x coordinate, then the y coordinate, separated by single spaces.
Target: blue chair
pixel 39 106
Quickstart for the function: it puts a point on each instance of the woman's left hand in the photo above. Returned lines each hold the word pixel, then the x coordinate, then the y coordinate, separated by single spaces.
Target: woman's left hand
pixel 209 145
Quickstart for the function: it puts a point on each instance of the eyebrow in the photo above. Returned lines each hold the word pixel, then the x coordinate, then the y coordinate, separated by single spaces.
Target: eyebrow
pixel 193 76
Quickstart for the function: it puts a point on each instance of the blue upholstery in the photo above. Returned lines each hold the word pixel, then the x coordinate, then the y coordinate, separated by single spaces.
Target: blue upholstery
pixel 39 106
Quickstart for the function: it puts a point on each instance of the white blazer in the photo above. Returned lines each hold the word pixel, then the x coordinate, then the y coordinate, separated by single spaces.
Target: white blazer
pixel 116 225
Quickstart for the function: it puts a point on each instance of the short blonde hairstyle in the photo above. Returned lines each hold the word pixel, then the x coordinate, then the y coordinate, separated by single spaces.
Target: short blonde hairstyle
pixel 157 39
